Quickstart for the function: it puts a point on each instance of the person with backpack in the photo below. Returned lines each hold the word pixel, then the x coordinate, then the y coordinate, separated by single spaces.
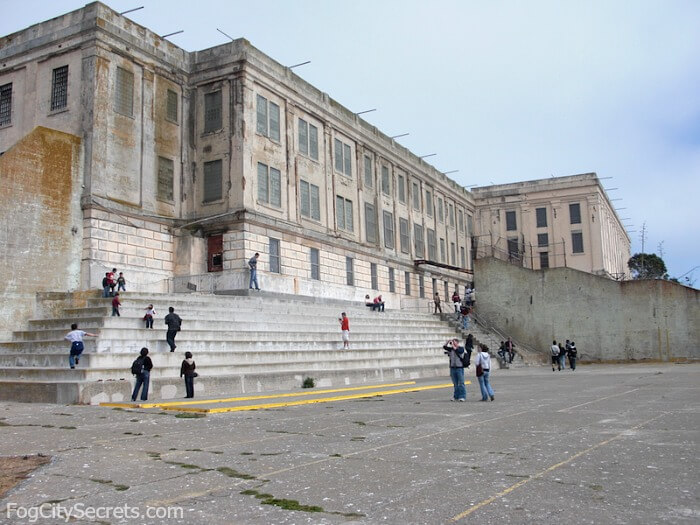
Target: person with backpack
pixel 141 368
pixel 554 349
pixel 187 371
pixel 573 354
pixel 174 323
pixel 459 360
pixel 75 337
pixel 483 367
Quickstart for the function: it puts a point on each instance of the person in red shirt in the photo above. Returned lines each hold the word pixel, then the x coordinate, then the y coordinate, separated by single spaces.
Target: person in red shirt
pixel 112 278
pixel 115 305
pixel 378 303
pixel 345 328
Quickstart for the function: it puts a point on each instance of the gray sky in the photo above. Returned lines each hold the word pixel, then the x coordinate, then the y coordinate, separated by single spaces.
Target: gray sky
pixel 504 91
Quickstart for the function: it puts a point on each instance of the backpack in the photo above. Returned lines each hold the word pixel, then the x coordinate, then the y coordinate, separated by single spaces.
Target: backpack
pixel 466 358
pixel 137 366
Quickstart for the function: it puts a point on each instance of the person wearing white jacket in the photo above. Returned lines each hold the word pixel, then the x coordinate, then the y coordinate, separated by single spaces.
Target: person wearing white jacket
pixel 483 358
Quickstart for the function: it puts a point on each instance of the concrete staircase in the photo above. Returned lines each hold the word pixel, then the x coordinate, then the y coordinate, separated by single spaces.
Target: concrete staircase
pixel 249 343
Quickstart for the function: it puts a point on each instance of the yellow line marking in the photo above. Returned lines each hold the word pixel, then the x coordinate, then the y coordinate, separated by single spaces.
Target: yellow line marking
pixel 596 400
pixel 548 470
pixel 250 398
pixel 306 401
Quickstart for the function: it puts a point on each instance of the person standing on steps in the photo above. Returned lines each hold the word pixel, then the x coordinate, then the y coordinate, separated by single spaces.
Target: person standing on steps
pixel 436 300
pixel 150 314
pixel 458 361
pixel 174 323
pixel 345 329
pixel 483 359
pixel 253 264
pixel 554 349
pixel 187 371
pixel 105 285
pixel 116 303
pixel 112 276
pixel 75 337
pixel 121 283
pixel 142 370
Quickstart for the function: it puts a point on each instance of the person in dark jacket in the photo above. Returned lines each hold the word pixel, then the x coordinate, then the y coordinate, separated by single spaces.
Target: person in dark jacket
pixel 143 378
pixel 174 323
pixel 573 353
pixel 187 371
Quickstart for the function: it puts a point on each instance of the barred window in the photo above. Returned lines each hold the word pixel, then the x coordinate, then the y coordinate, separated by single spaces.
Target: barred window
pixel 402 188
pixel 421 286
pixel 386 181
pixel 541 214
pixel 440 209
pixel 314 260
pixel 212 111
pixel 269 185
pixel 392 281
pixel 370 223
pixel 432 245
pixel 511 222
pixel 344 213
pixel 442 250
pixel 428 203
pixel 171 104
pixel 369 182
pixel 460 216
pixel 59 88
pixel 6 104
pixel 542 239
pixel 165 179
pixel 544 260
pixel 463 257
pixel 124 93
pixel 343 158
pixel 349 271
pixel 268 118
pixel 309 200
pixel 577 242
pixel 308 139
pixel 407 282
pixel 403 235
pixel 575 213
pixel 388 230
pixel 418 240
pixel 373 276
pixel 453 254
pixel 416 196
pixel 274 254
pixel 212 181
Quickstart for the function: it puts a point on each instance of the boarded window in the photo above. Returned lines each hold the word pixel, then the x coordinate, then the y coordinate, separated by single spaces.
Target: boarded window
pixel 388 230
pixel 421 286
pixel 416 196
pixel 313 142
pixel 349 271
pixel 274 254
pixel 429 203
pixel 165 179
pixel 274 111
pixel 386 181
pixel 575 213
pixel 369 179
pixel 315 261
pixel 5 104
pixel 59 88
pixel 212 181
pixel 407 282
pixel 432 245
pixel 418 240
pixel 541 214
pixel 315 203
pixel 404 239
pixel 373 276
pixel 262 122
pixel 303 133
pixel 511 223
pixel 392 281
pixel 544 260
pixel 370 223
pixel 442 250
pixel 212 111
pixel 124 93
pixel 171 104
pixel 402 188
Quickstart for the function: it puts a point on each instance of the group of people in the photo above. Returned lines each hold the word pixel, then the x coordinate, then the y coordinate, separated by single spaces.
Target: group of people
pixel 142 366
pixel 507 350
pixel 111 281
pixel 560 352
pixel 460 358
pixel 376 304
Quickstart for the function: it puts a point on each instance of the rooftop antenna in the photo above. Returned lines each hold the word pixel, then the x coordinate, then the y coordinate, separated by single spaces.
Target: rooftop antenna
pixel 227 36
pixel 299 64
pixel 428 155
pixel 131 10
pixel 365 111
pixel 173 33
pixel 397 136
pixel 448 172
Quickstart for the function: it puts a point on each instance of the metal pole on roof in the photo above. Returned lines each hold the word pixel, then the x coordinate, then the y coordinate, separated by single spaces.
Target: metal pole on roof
pixel 131 10
pixel 227 36
pixel 299 64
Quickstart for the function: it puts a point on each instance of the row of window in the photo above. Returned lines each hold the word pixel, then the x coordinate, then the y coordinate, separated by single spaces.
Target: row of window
pixel 543 242
pixel 59 95
pixel 541 217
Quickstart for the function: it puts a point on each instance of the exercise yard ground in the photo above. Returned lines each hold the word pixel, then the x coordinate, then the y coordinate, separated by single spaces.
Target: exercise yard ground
pixel 604 444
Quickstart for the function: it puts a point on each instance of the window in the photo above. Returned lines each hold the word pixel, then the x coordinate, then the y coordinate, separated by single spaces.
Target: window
pixel 59 88
pixel 274 250
pixel 268 122
pixel 428 203
pixel 460 217
pixel 308 139
pixel 434 285
pixel 124 93
pixel 269 185
pixel 418 240
pixel 421 286
pixel 212 181
pixel 513 251
pixel 171 103
pixel 447 290
pixel 575 213
pixel 462 257
pixel 165 179
pixel 343 158
pixel 404 239
pixel 370 223
pixel 577 242
pixel 440 209
pixel 544 259
pixel 212 111
pixel 452 215
pixel 349 273
pixel 511 223
pixel 541 217
pixel 470 225
pixel 416 196
pixel 373 276
pixel 542 239
pixel 442 250
pixel 6 104
pixel 453 254
pixel 309 200
pixel 388 230
pixel 432 245
pixel 392 281
pixel 402 189
pixel 314 259
pixel 343 213
pixel 407 282
pixel 369 179
pixel 386 182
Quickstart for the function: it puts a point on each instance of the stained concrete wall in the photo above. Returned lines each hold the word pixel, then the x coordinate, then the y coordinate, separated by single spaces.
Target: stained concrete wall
pixel 608 320
pixel 41 227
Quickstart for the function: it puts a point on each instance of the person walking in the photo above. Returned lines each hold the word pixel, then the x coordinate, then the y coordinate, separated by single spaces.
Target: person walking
pixel 150 314
pixel 456 303
pixel 174 324
pixel 345 329
pixel 562 357
pixel 253 264
pixel 464 312
pixel 141 368
pixel 554 349
pixel 75 337
pixel 483 359
pixel 458 362
pixel 116 303
pixel 510 348
pixel 573 354
pixel 436 300
pixel 187 371
pixel 469 346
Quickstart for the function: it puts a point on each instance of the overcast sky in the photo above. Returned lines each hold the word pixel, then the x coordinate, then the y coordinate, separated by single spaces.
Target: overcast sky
pixel 503 91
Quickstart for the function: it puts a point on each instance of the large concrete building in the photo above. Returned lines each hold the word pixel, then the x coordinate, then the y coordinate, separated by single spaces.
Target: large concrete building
pixel 176 167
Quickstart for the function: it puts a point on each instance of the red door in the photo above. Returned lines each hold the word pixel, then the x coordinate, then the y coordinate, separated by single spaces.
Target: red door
pixel 215 253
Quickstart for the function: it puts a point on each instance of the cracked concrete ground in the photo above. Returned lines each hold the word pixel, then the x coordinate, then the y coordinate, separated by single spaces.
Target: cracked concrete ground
pixel 603 444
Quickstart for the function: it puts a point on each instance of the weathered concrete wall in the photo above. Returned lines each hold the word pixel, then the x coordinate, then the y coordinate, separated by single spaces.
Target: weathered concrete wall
pixel 608 320
pixel 41 230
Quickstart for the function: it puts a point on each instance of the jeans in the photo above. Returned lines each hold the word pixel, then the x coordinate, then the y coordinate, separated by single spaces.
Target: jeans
pixel 76 348
pixel 142 380
pixel 465 322
pixel 457 376
pixel 170 338
pixel 253 279
pixel 115 311
pixel 572 362
pixel 105 291
pixel 562 361
pixel 189 386
pixel 121 287
pixel 149 321
pixel 485 386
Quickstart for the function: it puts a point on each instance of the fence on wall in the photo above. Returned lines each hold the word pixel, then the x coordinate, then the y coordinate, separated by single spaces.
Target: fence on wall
pixel 520 253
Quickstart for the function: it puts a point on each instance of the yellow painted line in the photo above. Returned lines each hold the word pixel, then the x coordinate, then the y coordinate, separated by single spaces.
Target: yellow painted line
pixel 522 482
pixel 251 398
pixel 306 401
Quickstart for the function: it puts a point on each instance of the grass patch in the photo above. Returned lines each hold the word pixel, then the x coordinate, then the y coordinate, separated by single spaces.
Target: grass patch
pixel 153 455
pixel 335 456
pixel 517 475
pixel 308 383
pixel 595 487
pixel 193 450
pixel 233 473
pixel 134 420
pixel 287 504
pixel 216 451
pixel 61 414
pixel 68 428
pixel 190 415
pixel 358 438
pixel 133 434
pixel 121 488
pixel 361 423
pixel 271 454
pixel 246 453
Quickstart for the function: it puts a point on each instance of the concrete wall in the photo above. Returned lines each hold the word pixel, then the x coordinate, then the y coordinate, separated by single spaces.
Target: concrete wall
pixel 608 320
pixel 41 230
